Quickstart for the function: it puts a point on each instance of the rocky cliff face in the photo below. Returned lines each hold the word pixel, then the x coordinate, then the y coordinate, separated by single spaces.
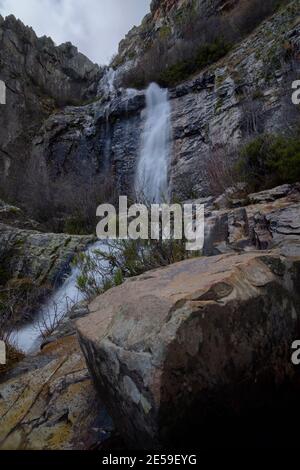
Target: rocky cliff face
pixel 165 20
pixel 247 91
pixel 39 78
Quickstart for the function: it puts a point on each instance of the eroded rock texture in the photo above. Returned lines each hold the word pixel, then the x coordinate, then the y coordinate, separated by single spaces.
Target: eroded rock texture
pixel 270 219
pixel 39 78
pixel 42 257
pixel 175 347
pixel 48 402
pixel 248 91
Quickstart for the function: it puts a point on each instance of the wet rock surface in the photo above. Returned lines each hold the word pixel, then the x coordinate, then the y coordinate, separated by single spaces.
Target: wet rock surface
pixel 42 257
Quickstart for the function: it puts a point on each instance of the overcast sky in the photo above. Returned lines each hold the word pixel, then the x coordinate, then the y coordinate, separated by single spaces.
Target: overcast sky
pixel 94 26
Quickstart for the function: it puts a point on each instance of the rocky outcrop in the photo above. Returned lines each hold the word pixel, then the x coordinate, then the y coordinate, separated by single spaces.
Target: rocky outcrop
pixel 271 219
pixel 42 257
pixel 88 140
pixel 247 91
pixel 173 347
pixel 39 78
pixel 48 402
pixel 15 217
pixel 32 263
pixel 165 21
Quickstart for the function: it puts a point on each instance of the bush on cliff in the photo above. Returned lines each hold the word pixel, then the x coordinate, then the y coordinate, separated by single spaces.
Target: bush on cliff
pixel 200 41
pixel 206 55
pixel 13 356
pixel 270 160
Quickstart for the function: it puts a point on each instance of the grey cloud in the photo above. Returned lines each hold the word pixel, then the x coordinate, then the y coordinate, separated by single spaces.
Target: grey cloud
pixel 94 26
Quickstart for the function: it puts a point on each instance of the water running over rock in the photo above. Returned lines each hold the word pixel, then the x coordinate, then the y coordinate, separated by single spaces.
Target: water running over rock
pixel 29 337
pixel 151 182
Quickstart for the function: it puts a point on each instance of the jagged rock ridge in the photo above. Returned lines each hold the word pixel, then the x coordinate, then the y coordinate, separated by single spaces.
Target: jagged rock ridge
pixel 40 77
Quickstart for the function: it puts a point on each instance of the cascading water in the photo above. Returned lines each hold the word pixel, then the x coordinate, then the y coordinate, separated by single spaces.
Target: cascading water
pixel 29 337
pixel 151 183
pixel 107 86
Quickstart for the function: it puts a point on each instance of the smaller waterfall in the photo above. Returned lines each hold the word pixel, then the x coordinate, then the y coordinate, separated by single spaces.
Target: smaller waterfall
pixel 151 181
pixel 28 338
pixel 107 86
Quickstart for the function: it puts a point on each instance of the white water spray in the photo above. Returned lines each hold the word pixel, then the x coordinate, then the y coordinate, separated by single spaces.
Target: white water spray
pixel 153 167
pixel 107 86
pixel 29 337
pixel 151 182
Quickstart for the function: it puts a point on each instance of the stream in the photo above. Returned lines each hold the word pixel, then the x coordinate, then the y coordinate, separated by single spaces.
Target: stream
pixel 29 338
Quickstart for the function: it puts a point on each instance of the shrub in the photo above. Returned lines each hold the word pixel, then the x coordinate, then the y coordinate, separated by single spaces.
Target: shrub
pixel 221 169
pixel 270 160
pixel 206 55
pixel 13 356
pixel 61 203
pixel 124 259
pixel 68 202
pixel 285 159
pixel 200 41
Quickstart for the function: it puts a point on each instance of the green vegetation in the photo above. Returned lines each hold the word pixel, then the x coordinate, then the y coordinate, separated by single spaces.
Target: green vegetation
pixel 77 225
pixel 126 258
pixel 194 41
pixel 270 160
pixel 257 94
pixel 206 55
pixel 165 32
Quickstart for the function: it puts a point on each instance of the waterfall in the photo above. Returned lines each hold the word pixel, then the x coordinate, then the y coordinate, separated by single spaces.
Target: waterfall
pixel 29 338
pixel 106 85
pixel 151 182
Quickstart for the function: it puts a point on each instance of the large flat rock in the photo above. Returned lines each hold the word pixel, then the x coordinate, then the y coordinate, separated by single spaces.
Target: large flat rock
pixel 48 402
pixel 176 346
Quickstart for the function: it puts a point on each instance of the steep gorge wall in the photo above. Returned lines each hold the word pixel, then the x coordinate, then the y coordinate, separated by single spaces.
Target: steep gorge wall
pixel 220 107
pixel 248 90
pixel 39 78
